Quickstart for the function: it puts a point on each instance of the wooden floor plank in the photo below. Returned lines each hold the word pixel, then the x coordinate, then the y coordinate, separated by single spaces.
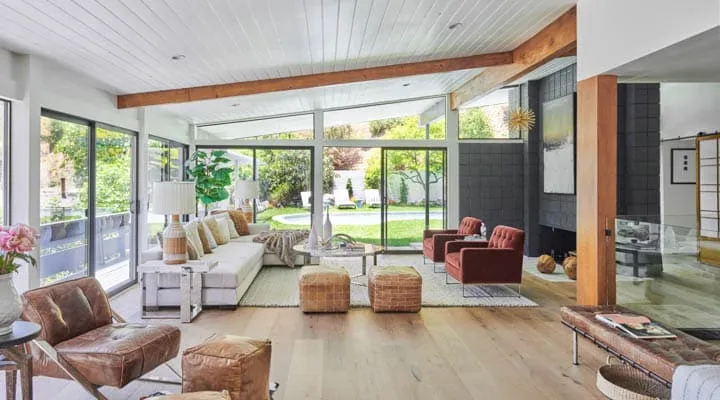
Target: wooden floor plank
pixel 439 353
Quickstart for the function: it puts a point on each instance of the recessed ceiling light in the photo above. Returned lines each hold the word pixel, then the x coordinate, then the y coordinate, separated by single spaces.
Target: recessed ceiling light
pixel 455 25
pixel 235 105
pixel 406 84
pixel 178 57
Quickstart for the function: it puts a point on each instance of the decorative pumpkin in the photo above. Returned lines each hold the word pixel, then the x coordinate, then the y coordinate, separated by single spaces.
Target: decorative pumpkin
pixel 570 267
pixel 546 264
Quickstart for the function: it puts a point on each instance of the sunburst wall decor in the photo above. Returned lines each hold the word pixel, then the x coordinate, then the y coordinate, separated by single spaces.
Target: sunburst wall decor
pixel 521 119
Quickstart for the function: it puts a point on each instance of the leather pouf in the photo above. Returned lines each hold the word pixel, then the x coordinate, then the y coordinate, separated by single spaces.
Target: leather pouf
pixel 237 364
pixel 570 267
pixel 546 264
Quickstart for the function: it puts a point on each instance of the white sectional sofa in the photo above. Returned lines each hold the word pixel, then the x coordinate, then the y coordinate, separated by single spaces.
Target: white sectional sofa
pixel 238 264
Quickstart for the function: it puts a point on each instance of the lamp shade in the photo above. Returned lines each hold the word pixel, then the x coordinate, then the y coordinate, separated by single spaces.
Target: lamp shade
pixel 173 198
pixel 247 189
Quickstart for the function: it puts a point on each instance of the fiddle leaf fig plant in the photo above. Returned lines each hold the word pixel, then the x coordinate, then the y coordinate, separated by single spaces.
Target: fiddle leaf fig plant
pixel 211 175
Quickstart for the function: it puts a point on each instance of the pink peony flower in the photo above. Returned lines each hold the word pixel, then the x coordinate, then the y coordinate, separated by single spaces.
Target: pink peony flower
pixel 19 238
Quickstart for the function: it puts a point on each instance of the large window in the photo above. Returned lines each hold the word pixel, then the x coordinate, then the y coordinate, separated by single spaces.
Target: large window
pixel 166 160
pixel 412 120
pixel 87 192
pixel 486 118
pixel 385 194
pixel 284 177
pixel 295 127
pixel 4 135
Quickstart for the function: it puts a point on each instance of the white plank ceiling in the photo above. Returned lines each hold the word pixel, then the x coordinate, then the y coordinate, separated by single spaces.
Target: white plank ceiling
pixel 128 44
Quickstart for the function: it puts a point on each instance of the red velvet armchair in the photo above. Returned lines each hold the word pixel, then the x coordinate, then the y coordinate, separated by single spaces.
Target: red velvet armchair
pixel 497 261
pixel 434 239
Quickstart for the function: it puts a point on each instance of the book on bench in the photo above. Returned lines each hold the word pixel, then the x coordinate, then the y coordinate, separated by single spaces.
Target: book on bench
pixel 637 326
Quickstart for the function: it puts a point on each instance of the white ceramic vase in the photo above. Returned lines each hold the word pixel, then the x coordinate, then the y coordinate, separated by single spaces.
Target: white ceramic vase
pixel 313 238
pixel 327 228
pixel 10 304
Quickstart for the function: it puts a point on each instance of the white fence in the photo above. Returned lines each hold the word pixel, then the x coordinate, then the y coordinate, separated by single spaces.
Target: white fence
pixel 416 191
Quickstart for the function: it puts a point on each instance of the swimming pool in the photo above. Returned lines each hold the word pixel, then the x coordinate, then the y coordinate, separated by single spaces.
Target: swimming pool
pixel 358 218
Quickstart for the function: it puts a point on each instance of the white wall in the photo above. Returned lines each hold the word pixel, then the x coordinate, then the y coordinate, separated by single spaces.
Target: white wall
pixel 612 33
pixel 689 108
pixel 33 84
pixel 677 201
pixel 685 110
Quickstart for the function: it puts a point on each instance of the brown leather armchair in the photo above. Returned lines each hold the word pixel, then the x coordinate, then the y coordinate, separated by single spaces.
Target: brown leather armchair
pixel 79 340
pixel 434 239
pixel 497 261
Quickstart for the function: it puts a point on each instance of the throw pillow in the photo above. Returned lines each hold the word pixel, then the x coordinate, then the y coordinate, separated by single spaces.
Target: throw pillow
pixel 231 225
pixel 223 225
pixel 204 240
pixel 208 234
pixel 238 219
pixel 192 251
pixel 214 228
pixel 191 230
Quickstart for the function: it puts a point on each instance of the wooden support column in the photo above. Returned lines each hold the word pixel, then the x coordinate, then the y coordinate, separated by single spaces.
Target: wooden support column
pixel 596 189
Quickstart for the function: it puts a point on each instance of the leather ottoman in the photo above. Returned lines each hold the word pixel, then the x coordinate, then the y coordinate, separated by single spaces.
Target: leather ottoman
pixel 657 357
pixel 324 288
pixel 395 289
pixel 237 364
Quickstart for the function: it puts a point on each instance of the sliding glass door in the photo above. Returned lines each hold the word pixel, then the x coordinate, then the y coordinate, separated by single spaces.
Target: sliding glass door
pixel 413 194
pixel 114 228
pixel 87 199
pixel 64 178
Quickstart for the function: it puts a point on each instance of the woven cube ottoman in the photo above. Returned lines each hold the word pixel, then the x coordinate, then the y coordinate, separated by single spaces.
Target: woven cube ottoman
pixel 237 364
pixel 395 289
pixel 324 288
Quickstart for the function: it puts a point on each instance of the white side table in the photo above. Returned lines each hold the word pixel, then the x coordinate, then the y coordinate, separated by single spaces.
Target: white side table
pixel 191 282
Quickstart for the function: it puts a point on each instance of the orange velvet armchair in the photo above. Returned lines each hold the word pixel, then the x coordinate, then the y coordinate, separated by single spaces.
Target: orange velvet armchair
pixel 434 239
pixel 497 261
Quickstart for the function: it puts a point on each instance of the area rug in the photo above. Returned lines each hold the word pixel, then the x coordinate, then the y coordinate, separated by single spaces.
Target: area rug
pixel 278 287
pixel 530 267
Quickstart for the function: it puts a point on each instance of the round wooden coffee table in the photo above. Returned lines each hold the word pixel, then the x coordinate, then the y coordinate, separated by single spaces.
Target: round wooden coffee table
pixel 363 250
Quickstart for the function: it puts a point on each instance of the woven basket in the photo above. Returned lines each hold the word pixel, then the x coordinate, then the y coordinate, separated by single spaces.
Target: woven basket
pixel 623 382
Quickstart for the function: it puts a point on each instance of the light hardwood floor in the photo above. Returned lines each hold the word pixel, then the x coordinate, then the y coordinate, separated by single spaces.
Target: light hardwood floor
pixel 439 353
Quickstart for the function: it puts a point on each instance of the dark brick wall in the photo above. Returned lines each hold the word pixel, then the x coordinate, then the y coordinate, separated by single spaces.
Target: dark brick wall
pixel 555 210
pixel 491 183
pixel 639 149
pixel 529 98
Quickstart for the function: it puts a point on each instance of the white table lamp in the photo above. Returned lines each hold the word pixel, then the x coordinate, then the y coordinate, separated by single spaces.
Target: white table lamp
pixel 246 191
pixel 175 199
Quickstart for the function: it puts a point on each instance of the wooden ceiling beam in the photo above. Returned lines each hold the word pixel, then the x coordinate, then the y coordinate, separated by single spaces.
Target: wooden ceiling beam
pixel 310 81
pixel 558 39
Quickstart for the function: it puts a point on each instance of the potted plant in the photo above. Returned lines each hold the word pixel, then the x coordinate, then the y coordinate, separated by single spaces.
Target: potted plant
pixel 16 243
pixel 211 176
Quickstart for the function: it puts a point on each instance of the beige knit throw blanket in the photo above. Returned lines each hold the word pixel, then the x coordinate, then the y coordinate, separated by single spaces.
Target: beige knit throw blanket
pixel 282 242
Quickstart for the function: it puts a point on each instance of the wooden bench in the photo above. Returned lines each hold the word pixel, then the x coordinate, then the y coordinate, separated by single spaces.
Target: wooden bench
pixel 658 357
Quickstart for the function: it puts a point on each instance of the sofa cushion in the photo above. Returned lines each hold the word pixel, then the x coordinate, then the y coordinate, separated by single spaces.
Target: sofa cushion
pixel 231 225
pixel 116 354
pixel 235 261
pixel 214 228
pixel 204 240
pixel 241 224
pixel 191 231
pixel 224 229
pixel 208 233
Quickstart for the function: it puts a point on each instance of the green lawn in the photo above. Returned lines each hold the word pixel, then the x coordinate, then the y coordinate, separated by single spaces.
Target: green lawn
pixel 400 233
